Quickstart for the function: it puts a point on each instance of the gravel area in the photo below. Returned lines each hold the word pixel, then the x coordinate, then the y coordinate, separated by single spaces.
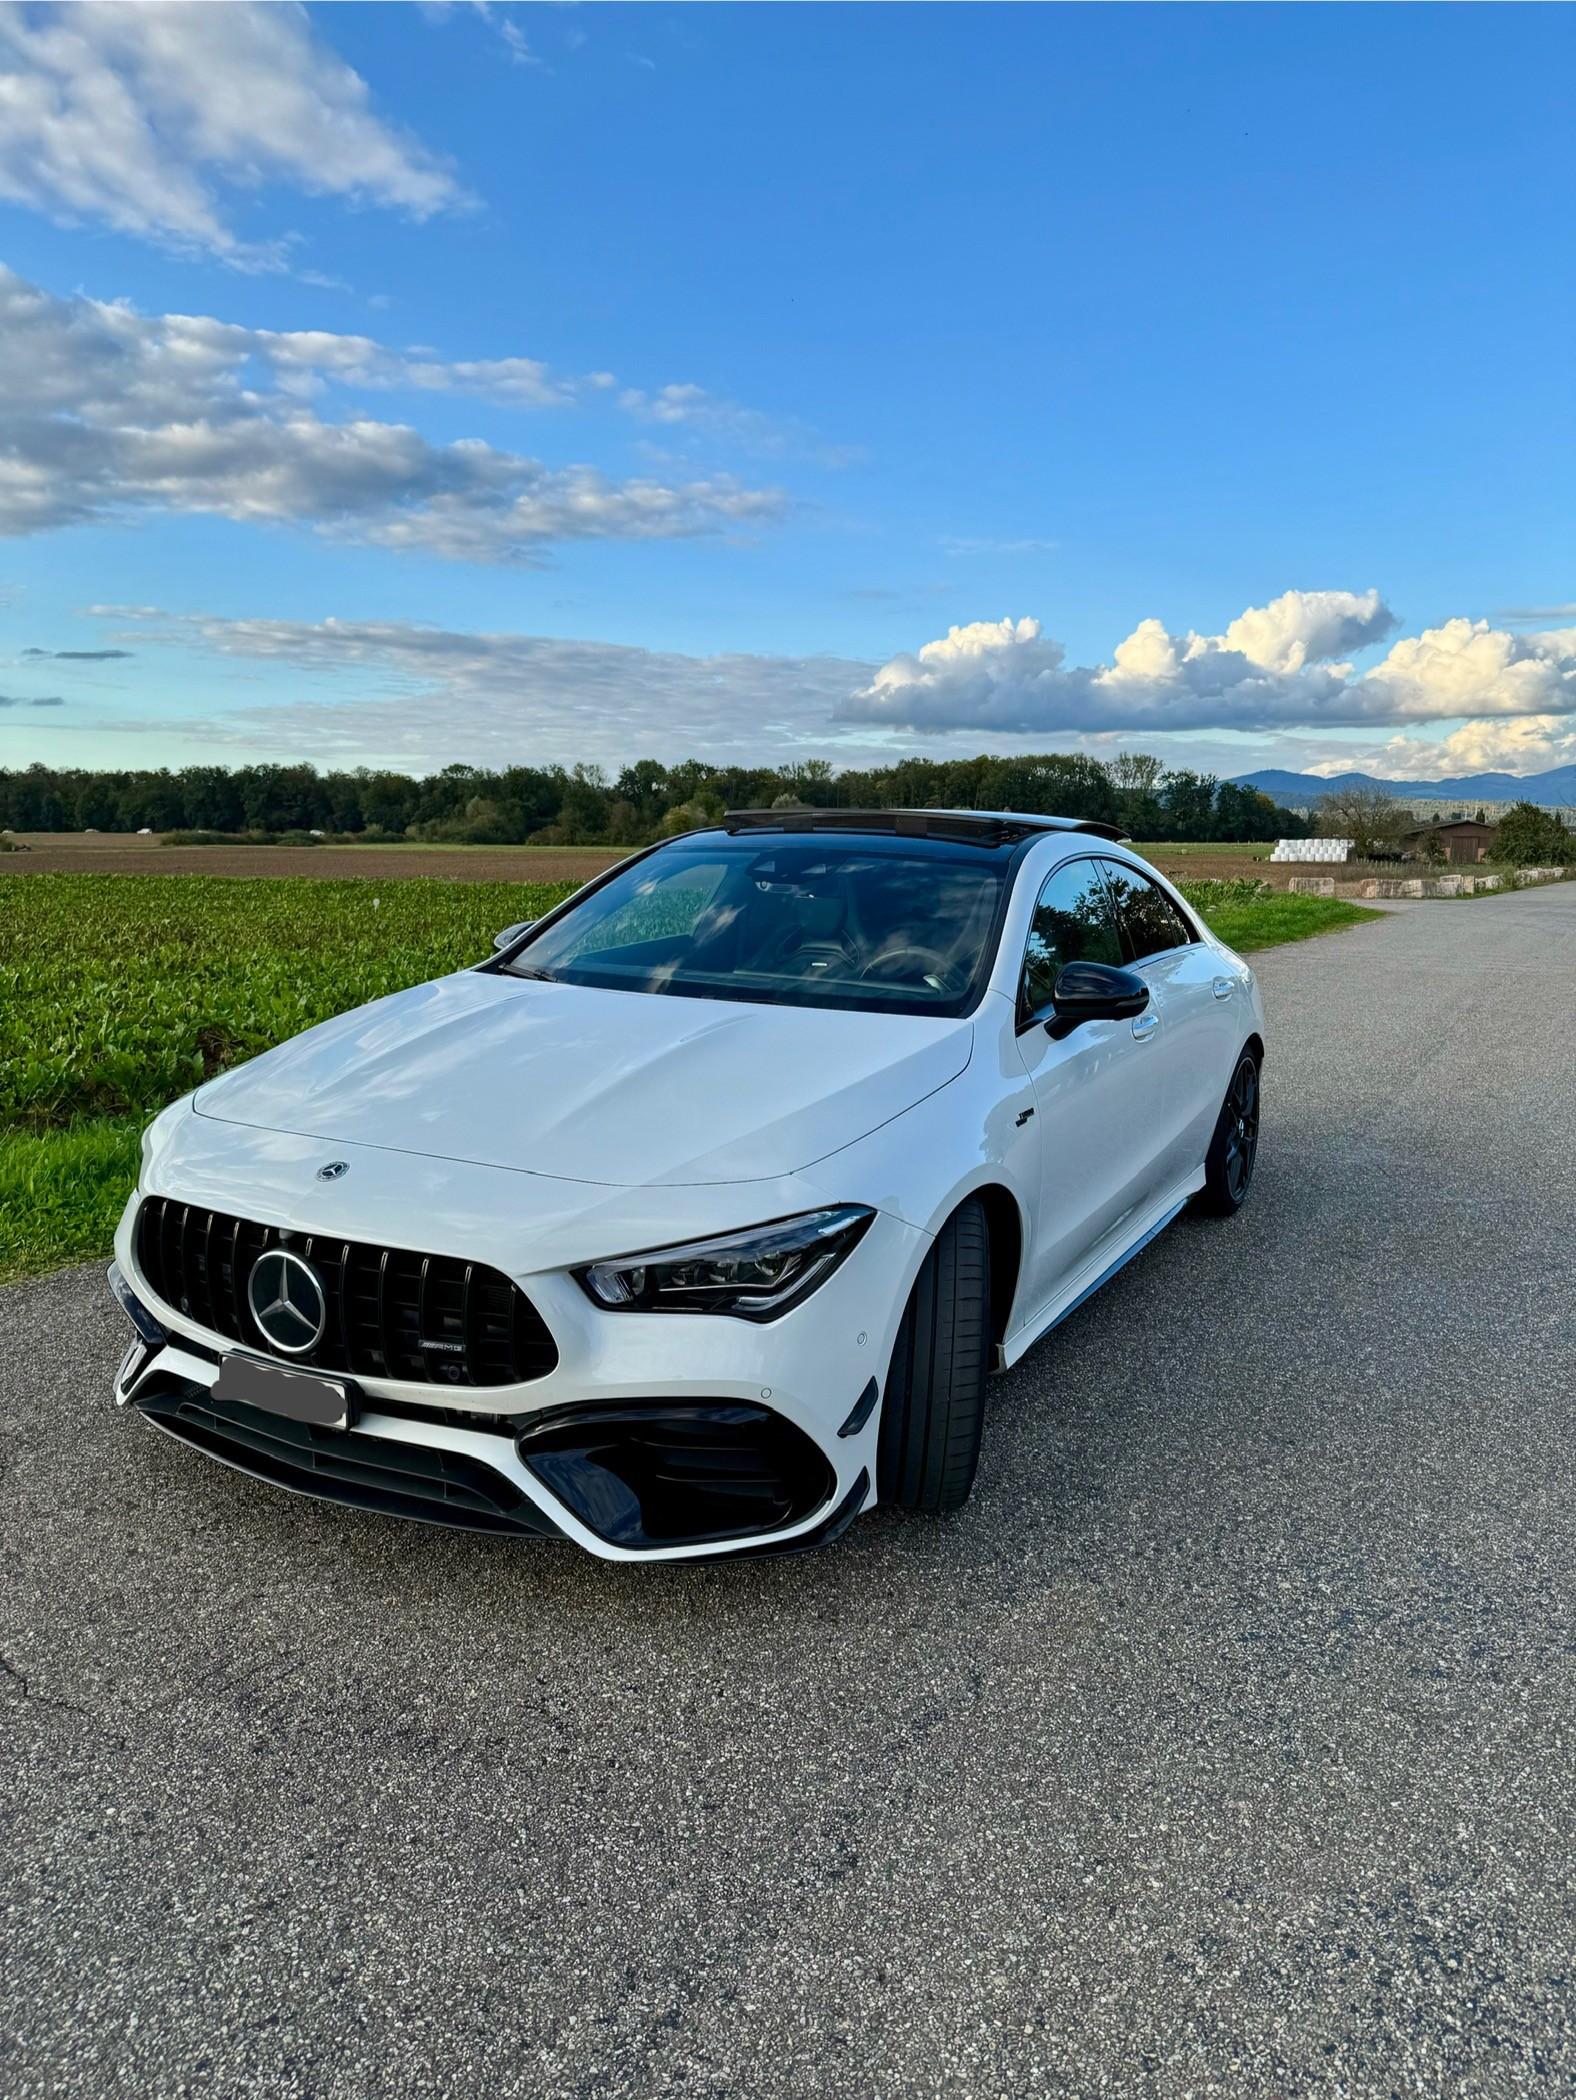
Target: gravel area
pixel 1224 1744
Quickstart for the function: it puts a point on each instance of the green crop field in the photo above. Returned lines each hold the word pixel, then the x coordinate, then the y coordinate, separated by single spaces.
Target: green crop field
pixel 119 992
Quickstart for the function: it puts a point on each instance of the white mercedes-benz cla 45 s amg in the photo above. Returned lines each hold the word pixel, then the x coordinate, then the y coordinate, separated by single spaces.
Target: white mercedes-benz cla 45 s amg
pixel 692 1221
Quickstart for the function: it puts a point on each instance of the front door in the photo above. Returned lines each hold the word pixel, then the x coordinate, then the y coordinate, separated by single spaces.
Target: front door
pixel 1097 1091
pixel 1196 996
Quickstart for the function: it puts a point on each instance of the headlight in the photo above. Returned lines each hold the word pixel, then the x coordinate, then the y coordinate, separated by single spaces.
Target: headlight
pixel 752 1275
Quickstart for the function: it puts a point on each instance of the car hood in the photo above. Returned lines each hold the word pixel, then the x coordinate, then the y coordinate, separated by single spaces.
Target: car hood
pixel 621 1088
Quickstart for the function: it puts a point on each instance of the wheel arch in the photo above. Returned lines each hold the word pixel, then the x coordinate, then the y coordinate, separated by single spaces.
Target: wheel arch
pixel 1004 1221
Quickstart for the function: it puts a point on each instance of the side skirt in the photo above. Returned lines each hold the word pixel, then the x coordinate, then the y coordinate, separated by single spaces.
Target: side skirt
pixel 1052 1315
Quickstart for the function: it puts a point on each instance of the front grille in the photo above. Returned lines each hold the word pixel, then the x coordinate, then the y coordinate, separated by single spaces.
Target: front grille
pixel 368 1472
pixel 429 1318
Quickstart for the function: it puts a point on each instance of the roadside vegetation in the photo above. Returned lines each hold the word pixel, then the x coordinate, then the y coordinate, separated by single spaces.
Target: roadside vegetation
pixel 1248 914
pixel 62 1192
pixel 120 992
pixel 1530 837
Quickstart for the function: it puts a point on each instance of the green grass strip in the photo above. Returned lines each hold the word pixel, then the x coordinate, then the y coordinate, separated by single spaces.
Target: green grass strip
pixel 1270 921
pixel 62 1193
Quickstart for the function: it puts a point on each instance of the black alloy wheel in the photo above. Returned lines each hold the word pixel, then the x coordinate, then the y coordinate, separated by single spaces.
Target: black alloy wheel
pixel 1228 1167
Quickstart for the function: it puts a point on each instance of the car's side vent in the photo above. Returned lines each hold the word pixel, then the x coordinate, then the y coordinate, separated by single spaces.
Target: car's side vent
pixel 677 1473
pixel 429 1318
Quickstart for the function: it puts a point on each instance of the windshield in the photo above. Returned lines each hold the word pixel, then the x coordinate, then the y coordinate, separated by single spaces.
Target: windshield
pixel 873 924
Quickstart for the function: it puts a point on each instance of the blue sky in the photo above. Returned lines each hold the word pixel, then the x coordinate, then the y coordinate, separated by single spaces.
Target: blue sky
pixel 408 385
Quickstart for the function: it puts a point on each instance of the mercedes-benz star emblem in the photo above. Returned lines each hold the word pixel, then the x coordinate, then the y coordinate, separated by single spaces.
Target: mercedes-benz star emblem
pixel 287 1301
pixel 333 1170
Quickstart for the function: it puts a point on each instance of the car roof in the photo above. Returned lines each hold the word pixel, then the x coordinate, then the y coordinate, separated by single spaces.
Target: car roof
pixel 975 827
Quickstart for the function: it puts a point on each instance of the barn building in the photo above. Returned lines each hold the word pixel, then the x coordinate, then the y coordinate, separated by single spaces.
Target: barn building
pixel 1463 838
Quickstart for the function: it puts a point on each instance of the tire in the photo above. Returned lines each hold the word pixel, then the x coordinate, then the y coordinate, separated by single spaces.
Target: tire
pixel 1228 1164
pixel 933 1410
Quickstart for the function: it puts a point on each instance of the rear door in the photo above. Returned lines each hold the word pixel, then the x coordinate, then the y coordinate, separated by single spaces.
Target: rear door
pixel 1194 997
pixel 1097 1091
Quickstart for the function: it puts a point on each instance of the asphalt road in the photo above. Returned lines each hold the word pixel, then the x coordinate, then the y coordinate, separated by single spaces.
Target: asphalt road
pixel 1225 1743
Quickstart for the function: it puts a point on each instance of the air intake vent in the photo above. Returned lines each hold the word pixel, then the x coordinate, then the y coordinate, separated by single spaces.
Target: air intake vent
pixel 428 1318
pixel 665 1474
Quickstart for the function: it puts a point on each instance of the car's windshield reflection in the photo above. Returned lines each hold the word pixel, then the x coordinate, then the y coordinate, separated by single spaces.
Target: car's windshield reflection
pixel 872 925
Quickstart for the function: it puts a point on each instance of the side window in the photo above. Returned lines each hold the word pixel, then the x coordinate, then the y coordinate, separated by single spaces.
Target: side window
pixel 1150 922
pixel 1073 922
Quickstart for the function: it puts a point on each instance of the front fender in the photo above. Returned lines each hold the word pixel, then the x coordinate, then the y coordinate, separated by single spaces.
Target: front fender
pixel 970 1134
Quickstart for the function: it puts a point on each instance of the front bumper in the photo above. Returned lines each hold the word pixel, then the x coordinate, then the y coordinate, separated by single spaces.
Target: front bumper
pixel 491 1473
pixel 505 1458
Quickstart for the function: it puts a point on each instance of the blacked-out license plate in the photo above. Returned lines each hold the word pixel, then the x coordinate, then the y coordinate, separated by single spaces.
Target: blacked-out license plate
pixel 293 1393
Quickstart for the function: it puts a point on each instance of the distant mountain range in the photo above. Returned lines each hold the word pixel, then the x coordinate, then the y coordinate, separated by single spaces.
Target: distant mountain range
pixel 1557 786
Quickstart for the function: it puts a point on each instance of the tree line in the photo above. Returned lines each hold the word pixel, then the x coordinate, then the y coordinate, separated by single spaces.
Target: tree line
pixel 584 805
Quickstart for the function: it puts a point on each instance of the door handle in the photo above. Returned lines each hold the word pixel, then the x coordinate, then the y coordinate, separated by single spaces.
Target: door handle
pixel 1224 987
pixel 1145 1026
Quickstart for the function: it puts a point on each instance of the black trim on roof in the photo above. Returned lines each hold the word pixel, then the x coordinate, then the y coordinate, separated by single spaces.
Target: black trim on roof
pixel 973 827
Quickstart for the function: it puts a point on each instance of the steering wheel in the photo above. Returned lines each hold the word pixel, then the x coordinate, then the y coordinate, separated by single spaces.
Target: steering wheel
pixel 896 965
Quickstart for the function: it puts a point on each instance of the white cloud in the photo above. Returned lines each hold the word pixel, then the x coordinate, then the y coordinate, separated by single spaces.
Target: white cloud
pixel 1519 744
pixel 671 404
pixel 438 695
pixel 304 361
pixel 951 545
pixel 1467 667
pixel 128 114
pixel 685 410
pixel 1273 668
pixel 515 42
pixel 1308 627
pixel 390 692
pixel 969 677
pixel 105 411
pixel 684 406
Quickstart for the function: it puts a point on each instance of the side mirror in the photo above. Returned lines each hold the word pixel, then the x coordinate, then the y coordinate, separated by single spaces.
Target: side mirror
pixel 1090 991
pixel 511 934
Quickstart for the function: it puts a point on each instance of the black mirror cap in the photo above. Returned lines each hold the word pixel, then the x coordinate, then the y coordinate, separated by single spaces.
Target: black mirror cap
pixel 1091 991
pixel 511 934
